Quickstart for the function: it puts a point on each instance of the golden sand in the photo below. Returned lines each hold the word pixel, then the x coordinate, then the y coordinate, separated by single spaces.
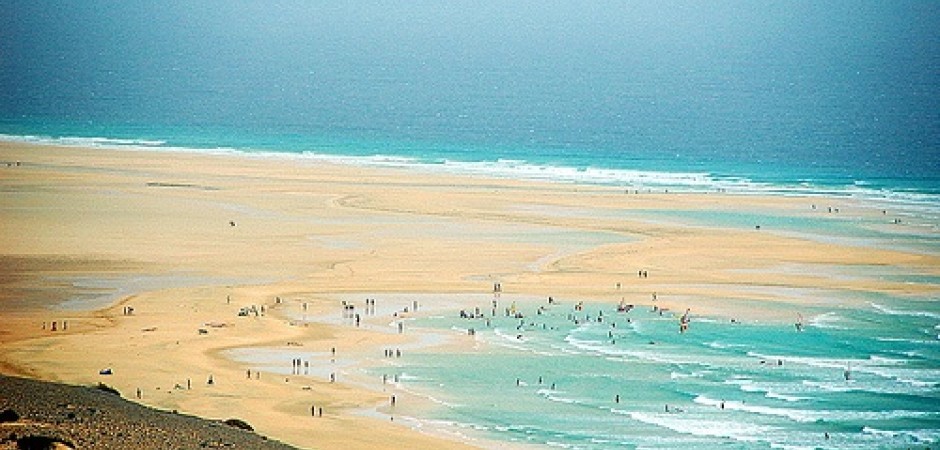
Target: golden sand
pixel 188 239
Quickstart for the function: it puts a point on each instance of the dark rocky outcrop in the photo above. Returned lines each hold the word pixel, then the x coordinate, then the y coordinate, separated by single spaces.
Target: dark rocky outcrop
pixel 43 415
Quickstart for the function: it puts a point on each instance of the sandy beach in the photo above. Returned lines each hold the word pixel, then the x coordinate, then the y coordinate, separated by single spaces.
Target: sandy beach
pixel 142 261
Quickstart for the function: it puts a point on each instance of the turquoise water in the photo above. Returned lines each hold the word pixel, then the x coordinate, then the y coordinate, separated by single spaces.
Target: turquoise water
pixel 817 224
pixel 780 388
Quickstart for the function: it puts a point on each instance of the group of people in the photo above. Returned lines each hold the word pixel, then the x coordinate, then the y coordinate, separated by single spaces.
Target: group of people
pixel 296 365
pixel 54 325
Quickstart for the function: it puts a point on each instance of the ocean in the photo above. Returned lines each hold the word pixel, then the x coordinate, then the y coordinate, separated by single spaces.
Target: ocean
pixel 838 98
pixel 842 96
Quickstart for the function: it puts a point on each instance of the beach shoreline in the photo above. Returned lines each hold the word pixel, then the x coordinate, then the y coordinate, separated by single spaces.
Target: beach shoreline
pixel 190 241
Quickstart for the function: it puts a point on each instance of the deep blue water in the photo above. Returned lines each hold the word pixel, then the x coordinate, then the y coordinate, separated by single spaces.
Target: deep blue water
pixel 841 94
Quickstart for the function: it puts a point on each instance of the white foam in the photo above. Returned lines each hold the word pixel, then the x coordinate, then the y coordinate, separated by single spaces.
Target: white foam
pixel 75 141
pixel 920 436
pixel 792 414
pixel 908 341
pixel 515 342
pixel 804 360
pixel 678 376
pixel 810 415
pixel 881 360
pixel 887 368
pixel 748 385
pixel 695 425
pixel 428 397
pixel 827 321
pixel 793 447
pixel 556 397
pixel 896 312
pixel 784 397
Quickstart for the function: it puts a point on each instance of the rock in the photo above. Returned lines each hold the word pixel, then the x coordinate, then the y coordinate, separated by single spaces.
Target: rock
pixel 108 389
pixel 9 415
pixel 43 443
pixel 106 421
pixel 238 423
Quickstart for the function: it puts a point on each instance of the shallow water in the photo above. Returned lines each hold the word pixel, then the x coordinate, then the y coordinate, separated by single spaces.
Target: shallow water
pixel 867 376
